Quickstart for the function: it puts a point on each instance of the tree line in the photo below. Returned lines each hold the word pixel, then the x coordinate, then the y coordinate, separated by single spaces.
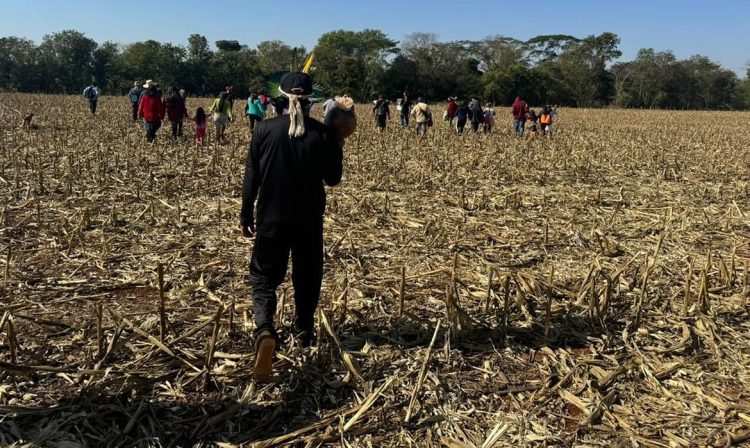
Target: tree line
pixel 547 69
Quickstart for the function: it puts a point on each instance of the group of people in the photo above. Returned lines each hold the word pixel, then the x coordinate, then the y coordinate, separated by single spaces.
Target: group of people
pixel 408 109
pixel 540 123
pixel 469 112
pixel 459 115
pixel 153 107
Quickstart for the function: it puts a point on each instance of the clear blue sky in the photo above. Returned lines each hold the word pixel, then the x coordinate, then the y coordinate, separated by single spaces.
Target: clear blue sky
pixel 717 29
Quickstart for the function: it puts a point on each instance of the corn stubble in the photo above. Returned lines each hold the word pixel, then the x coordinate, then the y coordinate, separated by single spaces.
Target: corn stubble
pixel 585 289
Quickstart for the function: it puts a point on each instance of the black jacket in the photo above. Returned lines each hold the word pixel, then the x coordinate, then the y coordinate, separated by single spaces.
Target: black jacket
pixel 286 175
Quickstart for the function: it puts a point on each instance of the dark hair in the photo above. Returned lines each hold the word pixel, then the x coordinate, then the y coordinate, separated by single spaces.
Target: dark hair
pixel 200 116
pixel 173 97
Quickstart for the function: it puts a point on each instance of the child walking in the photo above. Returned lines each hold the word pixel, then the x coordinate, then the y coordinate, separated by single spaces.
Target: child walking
pixel 532 119
pixel 201 124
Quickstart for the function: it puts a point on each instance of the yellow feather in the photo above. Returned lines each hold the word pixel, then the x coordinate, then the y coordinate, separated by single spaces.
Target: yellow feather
pixel 308 63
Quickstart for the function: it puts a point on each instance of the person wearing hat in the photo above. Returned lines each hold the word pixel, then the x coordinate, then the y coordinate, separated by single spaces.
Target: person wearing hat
pixel 450 111
pixel 151 109
pixel 135 96
pixel 290 159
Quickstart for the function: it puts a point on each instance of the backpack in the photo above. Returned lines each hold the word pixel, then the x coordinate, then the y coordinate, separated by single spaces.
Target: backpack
pixel 381 110
pixel 89 93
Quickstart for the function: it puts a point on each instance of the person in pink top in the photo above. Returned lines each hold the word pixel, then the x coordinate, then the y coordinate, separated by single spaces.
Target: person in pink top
pixel 201 124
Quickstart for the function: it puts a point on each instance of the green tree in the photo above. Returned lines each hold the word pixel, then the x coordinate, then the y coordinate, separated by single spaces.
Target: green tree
pixel 164 63
pixel 503 84
pixel 743 91
pixel 499 51
pixel 706 85
pixel 105 67
pixel 67 61
pixel 583 68
pixel 228 45
pixel 274 56
pixel 196 65
pixel 444 69
pixel 352 61
pixel 18 66
pixel 236 67
pixel 400 76
pixel 549 46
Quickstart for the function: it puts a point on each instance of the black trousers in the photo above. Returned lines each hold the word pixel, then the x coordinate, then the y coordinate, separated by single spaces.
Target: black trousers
pixel 252 120
pixel 460 125
pixel 177 128
pixel 268 267
pixel 151 128
pixel 135 111
pixel 474 126
pixel 92 106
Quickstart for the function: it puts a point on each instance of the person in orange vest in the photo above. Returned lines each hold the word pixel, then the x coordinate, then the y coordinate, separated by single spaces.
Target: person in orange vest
pixel 545 121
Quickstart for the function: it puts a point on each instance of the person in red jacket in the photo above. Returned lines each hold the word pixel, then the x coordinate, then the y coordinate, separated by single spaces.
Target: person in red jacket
pixel 451 110
pixel 151 109
pixel 519 111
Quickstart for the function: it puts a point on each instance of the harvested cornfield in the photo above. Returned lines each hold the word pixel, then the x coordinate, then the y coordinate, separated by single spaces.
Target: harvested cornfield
pixel 588 289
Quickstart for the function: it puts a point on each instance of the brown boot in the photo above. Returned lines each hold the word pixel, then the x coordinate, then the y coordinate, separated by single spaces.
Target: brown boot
pixel 265 346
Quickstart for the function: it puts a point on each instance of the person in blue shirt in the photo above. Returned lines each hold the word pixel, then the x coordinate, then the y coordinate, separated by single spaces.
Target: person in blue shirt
pixel 255 110
pixel 91 93
pixel 135 96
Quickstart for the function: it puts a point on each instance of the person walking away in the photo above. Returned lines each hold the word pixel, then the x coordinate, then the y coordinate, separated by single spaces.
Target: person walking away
pixel 532 119
pixel 91 93
pixel 422 116
pixel 135 96
pixel 519 109
pixel 476 114
pixel 382 113
pixel 553 112
pixel 405 109
pixel 151 109
pixel 462 116
pixel 489 118
pixel 201 125
pixel 450 111
pixel 230 96
pixel 176 111
pixel 290 159
pixel 221 109
pixel 256 110
pixel 545 121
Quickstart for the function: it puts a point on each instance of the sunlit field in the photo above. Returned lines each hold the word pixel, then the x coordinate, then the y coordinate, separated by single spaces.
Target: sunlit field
pixel 589 288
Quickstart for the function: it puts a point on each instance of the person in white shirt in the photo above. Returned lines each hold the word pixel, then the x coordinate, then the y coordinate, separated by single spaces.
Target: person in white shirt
pixel 489 118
